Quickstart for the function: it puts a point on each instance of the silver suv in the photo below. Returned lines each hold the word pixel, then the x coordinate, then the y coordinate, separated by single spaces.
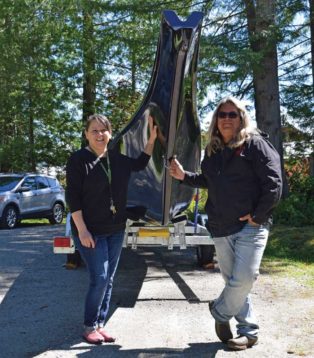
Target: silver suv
pixel 30 196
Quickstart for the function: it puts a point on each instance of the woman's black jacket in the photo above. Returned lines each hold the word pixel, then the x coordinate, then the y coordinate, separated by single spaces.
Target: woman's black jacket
pixel 240 181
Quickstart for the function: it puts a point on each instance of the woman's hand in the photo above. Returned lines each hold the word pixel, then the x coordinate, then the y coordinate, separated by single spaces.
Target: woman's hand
pixel 83 233
pixel 176 169
pixel 86 239
pixel 248 218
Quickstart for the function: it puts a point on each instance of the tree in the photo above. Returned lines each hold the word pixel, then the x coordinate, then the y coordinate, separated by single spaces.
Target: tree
pixel 35 90
pixel 89 60
pixel 262 32
pixel 63 60
pixel 311 6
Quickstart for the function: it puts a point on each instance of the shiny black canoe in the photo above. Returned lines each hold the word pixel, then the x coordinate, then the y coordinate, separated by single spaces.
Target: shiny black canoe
pixel 171 101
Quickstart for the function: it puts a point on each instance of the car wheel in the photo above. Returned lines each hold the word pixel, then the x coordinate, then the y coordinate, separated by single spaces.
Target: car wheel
pixel 57 214
pixel 205 254
pixel 10 217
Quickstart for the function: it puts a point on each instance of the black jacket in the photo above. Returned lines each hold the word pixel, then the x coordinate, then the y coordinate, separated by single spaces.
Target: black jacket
pixel 240 181
pixel 88 189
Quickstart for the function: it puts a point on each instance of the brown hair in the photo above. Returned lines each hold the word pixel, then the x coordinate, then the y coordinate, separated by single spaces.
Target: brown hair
pixel 99 118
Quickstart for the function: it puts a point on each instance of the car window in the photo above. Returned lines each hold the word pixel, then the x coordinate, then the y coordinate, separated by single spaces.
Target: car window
pixel 42 182
pixel 53 182
pixel 9 183
pixel 30 183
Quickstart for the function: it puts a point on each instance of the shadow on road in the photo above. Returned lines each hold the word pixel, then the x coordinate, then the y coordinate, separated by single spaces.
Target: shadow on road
pixel 208 350
pixel 43 307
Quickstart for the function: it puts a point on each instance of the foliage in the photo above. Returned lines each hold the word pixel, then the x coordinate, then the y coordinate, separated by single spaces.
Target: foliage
pixel 298 208
pixel 296 83
pixel 122 104
pixel 298 99
pixel 198 202
pixel 35 85
pixel 45 53
pixel 290 242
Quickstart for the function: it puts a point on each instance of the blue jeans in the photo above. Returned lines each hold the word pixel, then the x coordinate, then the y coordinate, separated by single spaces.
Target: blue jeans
pixel 101 262
pixel 239 258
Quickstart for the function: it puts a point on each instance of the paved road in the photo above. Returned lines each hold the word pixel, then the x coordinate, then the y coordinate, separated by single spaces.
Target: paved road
pixel 159 304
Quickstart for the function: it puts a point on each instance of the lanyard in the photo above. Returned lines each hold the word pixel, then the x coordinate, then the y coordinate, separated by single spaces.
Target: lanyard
pixel 108 173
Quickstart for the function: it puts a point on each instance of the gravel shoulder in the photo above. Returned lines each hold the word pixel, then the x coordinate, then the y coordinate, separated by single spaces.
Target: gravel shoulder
pixel 159 305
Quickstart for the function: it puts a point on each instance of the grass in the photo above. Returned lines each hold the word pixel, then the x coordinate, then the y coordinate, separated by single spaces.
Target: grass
pixel 289 242
pixel 290 251
pixel 38 221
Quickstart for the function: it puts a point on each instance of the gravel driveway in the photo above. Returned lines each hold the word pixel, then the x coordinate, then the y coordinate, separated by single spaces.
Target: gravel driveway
pixel 159 305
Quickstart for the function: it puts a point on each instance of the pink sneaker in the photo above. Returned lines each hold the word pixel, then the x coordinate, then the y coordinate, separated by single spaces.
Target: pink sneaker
pixel 106 336
pixel 93 337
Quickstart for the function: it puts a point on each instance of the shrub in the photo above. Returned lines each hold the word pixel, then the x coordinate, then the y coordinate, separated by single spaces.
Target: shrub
pixel 298 208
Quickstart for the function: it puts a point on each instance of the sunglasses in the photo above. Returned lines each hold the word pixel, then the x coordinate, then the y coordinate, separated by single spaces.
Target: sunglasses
pixel 231 115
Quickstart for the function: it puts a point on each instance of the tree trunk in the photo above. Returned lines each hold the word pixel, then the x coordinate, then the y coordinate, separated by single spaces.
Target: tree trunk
pixel 89 68
pixel 261 29
pixel 133 69
pixel 31 157
pixel 311 2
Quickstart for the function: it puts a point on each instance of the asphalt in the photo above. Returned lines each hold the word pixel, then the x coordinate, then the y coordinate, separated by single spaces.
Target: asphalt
pixel 159 304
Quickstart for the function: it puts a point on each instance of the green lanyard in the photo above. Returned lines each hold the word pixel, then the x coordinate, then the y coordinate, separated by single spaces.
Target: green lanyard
pixel 108 173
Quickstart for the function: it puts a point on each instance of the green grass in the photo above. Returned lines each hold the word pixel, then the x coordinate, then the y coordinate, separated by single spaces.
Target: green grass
pixel 290 251
pixel 38 221
pixel 293 243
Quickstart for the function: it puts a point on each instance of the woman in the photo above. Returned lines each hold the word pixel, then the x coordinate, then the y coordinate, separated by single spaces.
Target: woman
pixel 241 171
pixel 97 182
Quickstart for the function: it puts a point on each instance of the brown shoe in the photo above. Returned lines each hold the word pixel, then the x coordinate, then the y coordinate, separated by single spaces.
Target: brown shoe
pixel 222 329
pixel 241 343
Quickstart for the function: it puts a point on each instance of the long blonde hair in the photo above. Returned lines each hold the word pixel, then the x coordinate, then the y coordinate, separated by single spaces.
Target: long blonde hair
pixel 215 141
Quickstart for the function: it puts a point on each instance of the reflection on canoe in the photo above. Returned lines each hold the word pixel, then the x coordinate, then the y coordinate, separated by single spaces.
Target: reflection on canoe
pixel 171 101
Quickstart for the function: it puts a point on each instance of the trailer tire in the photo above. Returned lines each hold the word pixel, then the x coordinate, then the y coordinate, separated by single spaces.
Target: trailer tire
pixel 205 254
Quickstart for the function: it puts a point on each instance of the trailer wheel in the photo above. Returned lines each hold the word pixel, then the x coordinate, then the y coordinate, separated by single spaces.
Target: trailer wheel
pixel 205 254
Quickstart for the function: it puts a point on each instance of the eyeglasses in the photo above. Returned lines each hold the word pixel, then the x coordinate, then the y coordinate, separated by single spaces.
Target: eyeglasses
pixel 96 132
pixel 231 115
